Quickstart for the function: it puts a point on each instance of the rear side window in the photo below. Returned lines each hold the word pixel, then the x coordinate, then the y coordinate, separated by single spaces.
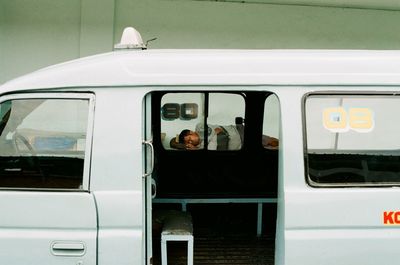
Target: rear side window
pixel 353 139
pixel 43 142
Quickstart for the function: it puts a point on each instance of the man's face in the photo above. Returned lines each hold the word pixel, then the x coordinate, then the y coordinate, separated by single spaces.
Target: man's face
pixel 192 139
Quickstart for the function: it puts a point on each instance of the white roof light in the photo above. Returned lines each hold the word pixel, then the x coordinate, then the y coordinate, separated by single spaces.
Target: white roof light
pixel 130 39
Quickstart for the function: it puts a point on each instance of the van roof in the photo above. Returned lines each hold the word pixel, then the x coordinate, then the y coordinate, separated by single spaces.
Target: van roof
pixel 216 67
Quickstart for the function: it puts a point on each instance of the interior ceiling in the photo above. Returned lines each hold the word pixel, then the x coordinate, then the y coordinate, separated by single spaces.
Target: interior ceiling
pixel 362 4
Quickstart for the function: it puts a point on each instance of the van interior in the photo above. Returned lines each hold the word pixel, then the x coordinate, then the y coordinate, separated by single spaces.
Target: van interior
pixel 223 191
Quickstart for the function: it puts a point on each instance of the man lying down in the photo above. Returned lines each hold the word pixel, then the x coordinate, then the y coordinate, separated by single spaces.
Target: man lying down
pixel 228 137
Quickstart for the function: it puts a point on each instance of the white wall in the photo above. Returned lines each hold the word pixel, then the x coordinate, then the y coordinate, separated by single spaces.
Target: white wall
pixel 38 33
pixel 97 26
pixel 206 24
pixel 34 34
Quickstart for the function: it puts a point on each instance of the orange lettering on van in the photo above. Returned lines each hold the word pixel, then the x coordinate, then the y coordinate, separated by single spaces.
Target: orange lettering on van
pixel 391 217
pixel 397 217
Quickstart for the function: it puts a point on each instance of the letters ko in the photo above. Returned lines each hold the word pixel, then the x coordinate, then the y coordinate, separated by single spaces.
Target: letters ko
pixel 391 218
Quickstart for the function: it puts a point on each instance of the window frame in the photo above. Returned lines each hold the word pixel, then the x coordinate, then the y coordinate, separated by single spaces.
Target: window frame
pixel 308 179
pixel 90 97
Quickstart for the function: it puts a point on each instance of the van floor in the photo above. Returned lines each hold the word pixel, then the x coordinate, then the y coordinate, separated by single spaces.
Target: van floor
pixel 224 234
pixel 235 250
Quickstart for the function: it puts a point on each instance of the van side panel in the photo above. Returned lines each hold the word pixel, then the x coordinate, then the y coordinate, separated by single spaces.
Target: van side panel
pixel 331 225
pixel 33 222
pixel 342 226
pixel 116 175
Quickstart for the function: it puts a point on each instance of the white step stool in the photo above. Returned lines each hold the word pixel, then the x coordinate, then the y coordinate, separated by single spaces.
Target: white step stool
pixel 177 227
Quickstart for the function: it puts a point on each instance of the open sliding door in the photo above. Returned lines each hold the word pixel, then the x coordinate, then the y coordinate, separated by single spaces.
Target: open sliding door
pixel 147 176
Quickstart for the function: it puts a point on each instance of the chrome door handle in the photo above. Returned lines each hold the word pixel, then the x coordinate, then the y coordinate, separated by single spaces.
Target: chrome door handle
pixel 149 143
pixel 66 248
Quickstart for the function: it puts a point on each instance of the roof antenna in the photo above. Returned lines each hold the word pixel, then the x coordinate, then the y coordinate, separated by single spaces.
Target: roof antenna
pixel 150 40
pixel 130 39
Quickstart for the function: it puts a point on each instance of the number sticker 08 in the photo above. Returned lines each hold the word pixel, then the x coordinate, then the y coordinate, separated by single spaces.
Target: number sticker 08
pixel 338 119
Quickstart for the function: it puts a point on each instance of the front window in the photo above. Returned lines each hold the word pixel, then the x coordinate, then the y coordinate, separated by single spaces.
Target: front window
pixel 43 143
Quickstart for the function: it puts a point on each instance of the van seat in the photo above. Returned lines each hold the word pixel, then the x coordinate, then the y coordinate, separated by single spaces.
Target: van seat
pixel 177 223
pixel 177 227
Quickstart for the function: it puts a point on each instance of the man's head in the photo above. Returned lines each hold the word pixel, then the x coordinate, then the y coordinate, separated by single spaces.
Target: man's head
pixel 189 138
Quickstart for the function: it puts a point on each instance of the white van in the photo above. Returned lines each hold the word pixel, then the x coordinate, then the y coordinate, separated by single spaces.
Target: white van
pixel 299 164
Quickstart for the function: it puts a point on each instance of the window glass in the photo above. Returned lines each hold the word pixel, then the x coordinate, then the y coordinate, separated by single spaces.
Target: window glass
pixel 226 119
pixel 353 139
pixel 178 114
pixel 42 143
pixel 185 112
pixel 271 123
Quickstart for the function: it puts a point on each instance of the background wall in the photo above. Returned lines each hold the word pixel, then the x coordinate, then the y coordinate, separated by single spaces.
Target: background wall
pixel 34 34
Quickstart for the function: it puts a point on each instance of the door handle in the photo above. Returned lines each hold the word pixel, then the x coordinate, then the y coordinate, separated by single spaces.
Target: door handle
pixel 149 143
pixel 66 248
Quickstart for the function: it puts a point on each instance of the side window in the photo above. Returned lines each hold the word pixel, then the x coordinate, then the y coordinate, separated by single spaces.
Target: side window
pixel 271 123
pixel 226 119
pixel 180 111
pixel 43 142
pixel 352 140
pixel 184 117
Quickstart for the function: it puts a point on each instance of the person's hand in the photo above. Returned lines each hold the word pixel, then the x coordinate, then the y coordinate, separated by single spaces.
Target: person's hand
pixel 273 142
pixel 270 142
pixel 271 147
pixel 191 147
pixel 218 130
